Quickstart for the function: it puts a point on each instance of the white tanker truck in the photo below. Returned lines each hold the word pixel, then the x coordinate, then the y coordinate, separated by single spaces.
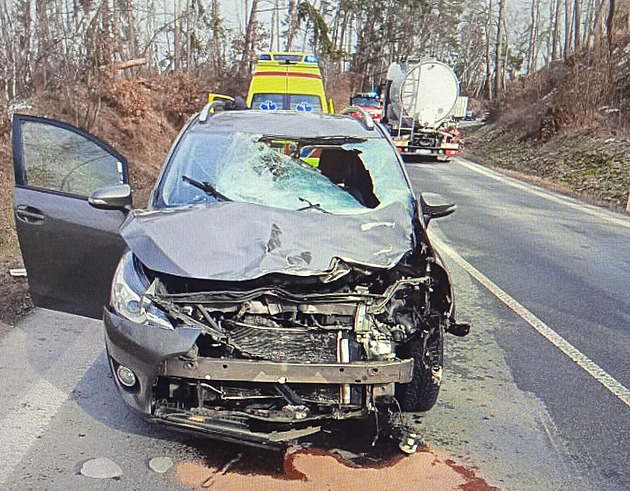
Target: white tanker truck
pixel 419 98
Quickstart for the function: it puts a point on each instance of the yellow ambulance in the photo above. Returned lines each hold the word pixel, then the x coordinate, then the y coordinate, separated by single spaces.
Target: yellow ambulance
pixel 290 81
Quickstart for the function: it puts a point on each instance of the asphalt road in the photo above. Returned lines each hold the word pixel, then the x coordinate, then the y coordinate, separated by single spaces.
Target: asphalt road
pixel 535 398
pixel 567 265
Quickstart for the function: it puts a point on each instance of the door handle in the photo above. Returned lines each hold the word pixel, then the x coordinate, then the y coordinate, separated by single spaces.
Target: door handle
pixel 28 214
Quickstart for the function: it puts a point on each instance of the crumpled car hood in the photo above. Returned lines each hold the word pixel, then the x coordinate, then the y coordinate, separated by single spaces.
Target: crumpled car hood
pixel 233 241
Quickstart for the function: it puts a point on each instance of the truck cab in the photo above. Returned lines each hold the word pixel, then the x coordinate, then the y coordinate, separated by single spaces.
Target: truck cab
pixel 288 81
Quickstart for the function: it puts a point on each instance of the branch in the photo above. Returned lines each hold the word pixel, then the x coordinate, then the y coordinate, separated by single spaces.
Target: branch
pixel 131 63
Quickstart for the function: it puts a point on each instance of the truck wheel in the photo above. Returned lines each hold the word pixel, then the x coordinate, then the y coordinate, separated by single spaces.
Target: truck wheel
pixel 422 392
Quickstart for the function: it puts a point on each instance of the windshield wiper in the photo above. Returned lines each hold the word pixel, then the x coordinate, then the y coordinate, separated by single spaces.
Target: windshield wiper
pixel 318 140
pixel 206 187
pixel 316 206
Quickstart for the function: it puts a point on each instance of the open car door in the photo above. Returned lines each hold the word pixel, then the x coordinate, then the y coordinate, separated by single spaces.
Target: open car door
pixel 70 249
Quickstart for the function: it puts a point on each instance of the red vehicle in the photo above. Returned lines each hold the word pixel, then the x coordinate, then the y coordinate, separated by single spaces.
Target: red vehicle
pixel 371 102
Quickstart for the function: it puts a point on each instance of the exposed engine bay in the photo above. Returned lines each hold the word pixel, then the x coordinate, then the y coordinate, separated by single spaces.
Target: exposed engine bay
pixel 280 355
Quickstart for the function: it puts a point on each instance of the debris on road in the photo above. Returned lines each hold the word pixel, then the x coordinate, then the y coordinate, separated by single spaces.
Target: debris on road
pixel 17 272
pixel 409 443
pixel 210 481
pixel 160 464
pixel 101 468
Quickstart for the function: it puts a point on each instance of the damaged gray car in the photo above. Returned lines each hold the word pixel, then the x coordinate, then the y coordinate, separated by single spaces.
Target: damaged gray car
pixel 281 278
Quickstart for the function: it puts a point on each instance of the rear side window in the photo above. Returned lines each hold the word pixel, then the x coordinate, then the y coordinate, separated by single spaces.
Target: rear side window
pixel 61 159
pixel 307 103
pixel 293 102
pixel 268 102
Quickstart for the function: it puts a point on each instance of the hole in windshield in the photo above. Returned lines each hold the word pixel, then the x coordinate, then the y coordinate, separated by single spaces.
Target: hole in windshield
pixel 345 169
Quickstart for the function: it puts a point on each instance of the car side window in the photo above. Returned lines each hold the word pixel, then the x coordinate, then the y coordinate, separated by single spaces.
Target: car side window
pixel 60 158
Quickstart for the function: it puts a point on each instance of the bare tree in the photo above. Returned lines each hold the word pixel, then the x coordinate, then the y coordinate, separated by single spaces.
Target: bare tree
pixel 568 27
pixel 596 27
pixel 497 57
pixel 488 80
pixel 293 24
pixel 555 53
pixel 577 14
pixel 609 24
pixel 532 51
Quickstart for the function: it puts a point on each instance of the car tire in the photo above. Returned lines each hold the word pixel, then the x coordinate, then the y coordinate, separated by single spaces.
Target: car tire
pixel 422 392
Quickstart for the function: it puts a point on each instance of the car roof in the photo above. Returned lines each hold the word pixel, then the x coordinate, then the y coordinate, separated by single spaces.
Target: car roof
pixel 286 123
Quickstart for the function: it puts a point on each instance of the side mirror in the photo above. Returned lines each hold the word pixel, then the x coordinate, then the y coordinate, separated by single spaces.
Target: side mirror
pixel 112 198
pixel 435 206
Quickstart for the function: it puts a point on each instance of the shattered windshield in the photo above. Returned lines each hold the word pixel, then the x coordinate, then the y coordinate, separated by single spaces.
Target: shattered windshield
pixel 332 175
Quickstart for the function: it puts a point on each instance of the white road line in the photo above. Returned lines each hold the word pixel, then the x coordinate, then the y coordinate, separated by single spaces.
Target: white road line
pixel 582 207
pixel 20 427
pixel 620 391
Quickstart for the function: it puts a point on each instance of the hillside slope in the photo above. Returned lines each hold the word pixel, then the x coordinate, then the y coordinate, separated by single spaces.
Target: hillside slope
pixel 567 125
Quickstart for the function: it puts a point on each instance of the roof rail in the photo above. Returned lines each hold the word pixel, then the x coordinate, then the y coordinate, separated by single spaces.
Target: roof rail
pixel 209 109
pixel 364 117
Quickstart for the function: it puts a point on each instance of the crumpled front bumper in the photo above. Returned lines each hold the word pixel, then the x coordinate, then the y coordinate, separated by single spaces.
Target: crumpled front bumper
pixel 143 348
pixel 152 352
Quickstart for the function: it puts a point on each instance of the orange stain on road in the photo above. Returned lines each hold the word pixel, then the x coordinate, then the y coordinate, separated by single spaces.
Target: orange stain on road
pixel 313 470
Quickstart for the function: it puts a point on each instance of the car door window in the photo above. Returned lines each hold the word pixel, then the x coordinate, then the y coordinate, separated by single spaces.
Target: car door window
pixel 60 158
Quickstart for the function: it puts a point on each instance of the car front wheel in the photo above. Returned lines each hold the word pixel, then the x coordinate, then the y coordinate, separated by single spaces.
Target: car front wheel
pixel 421 393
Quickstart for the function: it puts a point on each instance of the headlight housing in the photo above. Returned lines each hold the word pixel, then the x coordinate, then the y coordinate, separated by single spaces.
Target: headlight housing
pixel 127 295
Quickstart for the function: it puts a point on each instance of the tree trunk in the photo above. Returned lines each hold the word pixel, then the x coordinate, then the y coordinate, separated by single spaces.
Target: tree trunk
pixel 609 24
pixel 217 60
pixel 293 24
pixel 533 37
pixel 176 35
pixel 250 35
pixel 273 28
pixel 555 54
pixel 277 26
pixel 596 27
pixel 488 59
pixel 577 13
pixel 497 56
pixel 549 41
pixel 568 27
pixel 506 52
pixel 189 33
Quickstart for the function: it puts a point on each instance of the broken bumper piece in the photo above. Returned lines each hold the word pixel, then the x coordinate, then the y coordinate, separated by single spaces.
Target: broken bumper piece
pixel 231 431
pixel 256 402
pixel 359 373
pixel 263 425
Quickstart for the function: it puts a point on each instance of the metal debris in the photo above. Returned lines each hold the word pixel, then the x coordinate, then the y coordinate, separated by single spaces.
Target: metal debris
pixel 409 443
pixel 160 464
pixel 346 455
pixel 208 483
pixel 101 468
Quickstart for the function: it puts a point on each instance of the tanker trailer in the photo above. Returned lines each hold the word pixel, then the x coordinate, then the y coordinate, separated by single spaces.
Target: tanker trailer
pixel 419 99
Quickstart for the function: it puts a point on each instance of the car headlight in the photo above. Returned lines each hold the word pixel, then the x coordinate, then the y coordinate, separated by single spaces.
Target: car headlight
pixel 127 296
